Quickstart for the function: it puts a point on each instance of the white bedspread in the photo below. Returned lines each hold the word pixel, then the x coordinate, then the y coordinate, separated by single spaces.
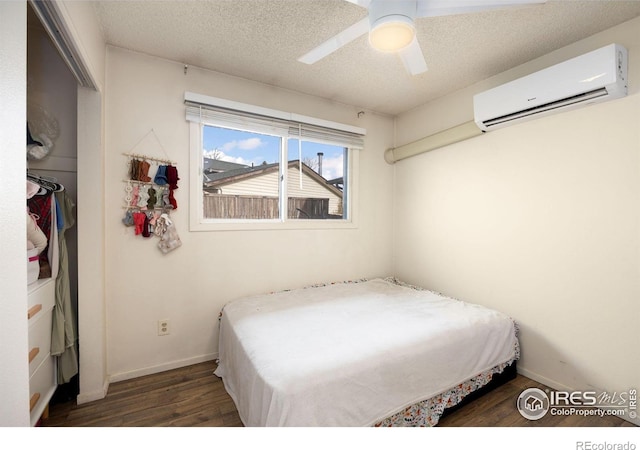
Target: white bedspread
pixel 351 354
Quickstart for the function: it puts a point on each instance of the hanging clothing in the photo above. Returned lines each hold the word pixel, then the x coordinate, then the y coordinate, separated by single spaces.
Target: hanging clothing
pixel 44 208
pixel 63 331
pixel 35 236
pixel 40 207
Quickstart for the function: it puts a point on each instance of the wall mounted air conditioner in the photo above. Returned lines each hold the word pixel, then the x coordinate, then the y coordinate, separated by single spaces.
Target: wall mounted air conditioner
pixel 594 77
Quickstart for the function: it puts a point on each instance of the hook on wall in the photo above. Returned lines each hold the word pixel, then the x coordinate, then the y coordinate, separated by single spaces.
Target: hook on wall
pixel 360 113
pixel 186 67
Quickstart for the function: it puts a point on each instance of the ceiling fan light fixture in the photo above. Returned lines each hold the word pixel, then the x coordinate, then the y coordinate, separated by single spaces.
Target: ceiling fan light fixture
pixel 392 33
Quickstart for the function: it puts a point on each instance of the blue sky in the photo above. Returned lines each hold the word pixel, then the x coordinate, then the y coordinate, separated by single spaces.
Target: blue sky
pixel 252 148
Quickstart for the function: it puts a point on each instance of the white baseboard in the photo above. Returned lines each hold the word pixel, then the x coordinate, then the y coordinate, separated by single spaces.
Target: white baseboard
pixel 162 367
pixel 544 380
pixel 93 396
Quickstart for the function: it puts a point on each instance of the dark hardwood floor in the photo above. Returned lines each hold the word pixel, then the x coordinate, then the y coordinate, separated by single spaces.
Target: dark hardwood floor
pixel 185 397
pixel 192 396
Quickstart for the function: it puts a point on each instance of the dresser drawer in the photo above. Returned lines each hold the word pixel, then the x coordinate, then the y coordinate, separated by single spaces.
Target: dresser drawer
pixel 42 385
pixel 42 296
pixel 39 340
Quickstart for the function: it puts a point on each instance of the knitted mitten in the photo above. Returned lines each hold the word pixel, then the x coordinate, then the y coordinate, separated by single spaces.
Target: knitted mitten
pixel 161 176
pixel 134 196
pixel 145 227
pixel 133 170
pixel 128 218
pixel 151 203
pixel 143 171
pixel 170 239
pixel 139 219
pixel 172 199
pixel 161 226
pixel 172 176
pixel 143 197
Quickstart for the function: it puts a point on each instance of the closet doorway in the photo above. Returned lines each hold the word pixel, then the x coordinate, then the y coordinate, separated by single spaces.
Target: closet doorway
pixel 52 120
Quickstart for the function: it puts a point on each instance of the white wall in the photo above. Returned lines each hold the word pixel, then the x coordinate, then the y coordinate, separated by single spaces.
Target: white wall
pixel 14 376
pixel 540 220
pixel 190 285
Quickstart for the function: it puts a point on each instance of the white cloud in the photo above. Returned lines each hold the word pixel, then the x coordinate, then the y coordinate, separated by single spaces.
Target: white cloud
pixel 245 144
pixel 332 167
pixel 224 152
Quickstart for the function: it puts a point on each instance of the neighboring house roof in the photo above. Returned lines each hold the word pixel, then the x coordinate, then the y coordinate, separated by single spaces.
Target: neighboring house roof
pixel 337 182
pixel 213 166
pixel 214 180
pixel 218 165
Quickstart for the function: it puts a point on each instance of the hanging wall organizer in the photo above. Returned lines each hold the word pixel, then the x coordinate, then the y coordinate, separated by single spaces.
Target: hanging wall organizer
pixel 149 197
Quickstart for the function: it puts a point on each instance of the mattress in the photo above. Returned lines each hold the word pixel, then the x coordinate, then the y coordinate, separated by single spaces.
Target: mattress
pixel 355 354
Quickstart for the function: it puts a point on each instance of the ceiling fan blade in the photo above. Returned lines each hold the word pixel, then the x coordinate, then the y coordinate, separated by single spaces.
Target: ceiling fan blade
pixel 343 38
pixel 435 8
pixel 413 58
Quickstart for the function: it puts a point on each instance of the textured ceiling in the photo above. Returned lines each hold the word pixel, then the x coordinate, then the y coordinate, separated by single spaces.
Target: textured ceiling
pixel 261 40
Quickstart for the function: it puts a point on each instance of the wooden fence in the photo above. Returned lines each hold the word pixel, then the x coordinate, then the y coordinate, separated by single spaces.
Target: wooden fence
pixel 220 206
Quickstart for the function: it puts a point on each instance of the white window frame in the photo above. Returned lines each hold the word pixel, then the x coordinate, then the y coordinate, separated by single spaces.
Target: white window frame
pixel 197 222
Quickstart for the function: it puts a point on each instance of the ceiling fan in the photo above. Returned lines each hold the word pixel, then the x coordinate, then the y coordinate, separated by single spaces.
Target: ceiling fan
pixel 391 26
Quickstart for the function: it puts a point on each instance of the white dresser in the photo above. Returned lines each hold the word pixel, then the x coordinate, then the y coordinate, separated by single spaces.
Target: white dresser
pixel 42 366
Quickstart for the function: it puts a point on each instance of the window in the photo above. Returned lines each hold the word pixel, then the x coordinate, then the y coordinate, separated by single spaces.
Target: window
pixel 257 166
pixel 315 180
pixel 241 174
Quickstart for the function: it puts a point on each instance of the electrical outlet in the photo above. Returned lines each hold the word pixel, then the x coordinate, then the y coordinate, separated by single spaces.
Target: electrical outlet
pixel 163 327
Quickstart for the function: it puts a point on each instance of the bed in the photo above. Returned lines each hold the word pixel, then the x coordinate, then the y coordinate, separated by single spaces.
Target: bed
pixel 373 352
